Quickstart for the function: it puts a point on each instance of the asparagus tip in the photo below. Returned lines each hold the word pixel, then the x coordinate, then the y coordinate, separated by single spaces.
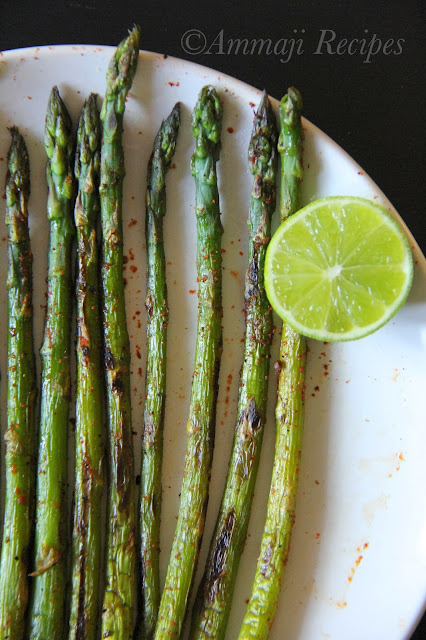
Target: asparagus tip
pixel 58 123
pixel 264 100
pixel 291 106
pixel 207 122
pixel 130 43
pixel 262 147
pixel 122 68
pixel 18 167
pixel 88 134
pixel 167 135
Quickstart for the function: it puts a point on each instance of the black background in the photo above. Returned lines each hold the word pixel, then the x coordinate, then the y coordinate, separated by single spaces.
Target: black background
pixel 374 109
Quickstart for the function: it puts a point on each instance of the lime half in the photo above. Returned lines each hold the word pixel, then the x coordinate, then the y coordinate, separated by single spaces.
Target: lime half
pixel 338 269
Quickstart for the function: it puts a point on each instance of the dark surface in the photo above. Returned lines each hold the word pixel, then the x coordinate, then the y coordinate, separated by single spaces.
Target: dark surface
pixel 374 109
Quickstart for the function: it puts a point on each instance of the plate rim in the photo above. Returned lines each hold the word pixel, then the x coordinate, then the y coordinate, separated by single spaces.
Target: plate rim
pixel 53 50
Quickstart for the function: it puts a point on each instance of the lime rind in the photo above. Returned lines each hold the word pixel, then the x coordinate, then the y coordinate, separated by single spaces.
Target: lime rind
pixel 338 269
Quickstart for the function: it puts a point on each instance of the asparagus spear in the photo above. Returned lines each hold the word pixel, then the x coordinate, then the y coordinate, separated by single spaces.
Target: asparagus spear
pixel 21 394
pixel 155 386
pixel 213 602
pixel 86 547
pixel 206 125
pixel 289 410
pixel 48 598
pixel 118 598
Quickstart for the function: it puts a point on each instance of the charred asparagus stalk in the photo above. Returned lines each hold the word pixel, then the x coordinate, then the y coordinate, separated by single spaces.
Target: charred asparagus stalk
pixel 21 394
pixel 213 602
pixel 206 125
pixel 119 593
pixel 155 386
pixel 289 410
pixel 48 600
pixel 86 540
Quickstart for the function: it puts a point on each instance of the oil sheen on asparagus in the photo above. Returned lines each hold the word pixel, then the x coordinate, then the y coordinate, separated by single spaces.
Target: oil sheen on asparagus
pixel 213 602
pixel 119 593
pixel 89 452
pixel 206 125
pixel 49 580
pixel 289 411
pixel 155 385
pixel 21 394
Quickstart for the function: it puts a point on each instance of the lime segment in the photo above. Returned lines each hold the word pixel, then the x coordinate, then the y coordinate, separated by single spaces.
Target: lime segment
pixel 338 269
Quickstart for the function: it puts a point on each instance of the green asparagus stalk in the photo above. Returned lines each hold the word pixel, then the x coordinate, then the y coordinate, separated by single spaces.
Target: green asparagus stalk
pixel 48 597
pixel 21 394
pixel 89 453
pixel 289 410
pixel 155 385
pixel 206 125
pixel 119 593
pixel 213 602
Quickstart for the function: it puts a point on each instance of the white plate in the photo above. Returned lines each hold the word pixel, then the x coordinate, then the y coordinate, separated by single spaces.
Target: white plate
pixel 357 567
